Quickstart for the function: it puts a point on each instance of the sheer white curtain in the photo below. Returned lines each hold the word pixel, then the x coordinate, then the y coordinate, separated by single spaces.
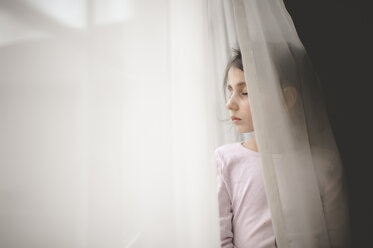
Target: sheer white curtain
pixel 107 125
pixel 300 161
pixel 111 111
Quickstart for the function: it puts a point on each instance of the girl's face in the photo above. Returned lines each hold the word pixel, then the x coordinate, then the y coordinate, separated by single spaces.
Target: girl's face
pixel 238 103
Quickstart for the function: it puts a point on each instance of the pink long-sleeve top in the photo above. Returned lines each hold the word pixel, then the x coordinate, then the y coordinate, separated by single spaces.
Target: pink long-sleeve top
pixel 245 219
pixel 243 206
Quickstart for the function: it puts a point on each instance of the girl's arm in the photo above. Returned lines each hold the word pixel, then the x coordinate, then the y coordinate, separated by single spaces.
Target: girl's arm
pixel 225 207
pixel 335 206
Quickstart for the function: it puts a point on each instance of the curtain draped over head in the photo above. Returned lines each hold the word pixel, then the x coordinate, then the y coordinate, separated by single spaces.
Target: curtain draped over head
pixel 299 156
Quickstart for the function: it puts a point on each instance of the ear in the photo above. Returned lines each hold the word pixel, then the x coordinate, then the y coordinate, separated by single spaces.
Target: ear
pixel 291 95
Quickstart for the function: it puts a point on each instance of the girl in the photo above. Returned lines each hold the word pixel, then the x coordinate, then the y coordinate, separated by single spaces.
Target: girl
pixel 245 219
pixel 244 213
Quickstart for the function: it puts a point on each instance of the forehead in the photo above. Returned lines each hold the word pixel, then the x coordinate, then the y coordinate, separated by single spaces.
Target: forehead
pixel 236 78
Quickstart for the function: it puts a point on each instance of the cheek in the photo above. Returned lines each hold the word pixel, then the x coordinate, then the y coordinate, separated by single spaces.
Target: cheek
pixel 247 109
pixel 246 105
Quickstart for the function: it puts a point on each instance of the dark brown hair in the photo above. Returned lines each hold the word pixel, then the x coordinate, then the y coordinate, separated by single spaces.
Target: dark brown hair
pixel 236 62
pixel 285 62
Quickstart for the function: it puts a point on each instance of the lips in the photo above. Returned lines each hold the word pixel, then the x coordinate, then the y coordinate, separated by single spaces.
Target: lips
pixel 235 118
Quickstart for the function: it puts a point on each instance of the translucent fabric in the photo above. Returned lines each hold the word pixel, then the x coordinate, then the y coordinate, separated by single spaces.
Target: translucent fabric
pixel 302 170
pixel 106 125
pixel 108 122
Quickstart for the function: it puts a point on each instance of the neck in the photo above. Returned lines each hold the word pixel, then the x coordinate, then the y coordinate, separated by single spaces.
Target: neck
pixel 251 144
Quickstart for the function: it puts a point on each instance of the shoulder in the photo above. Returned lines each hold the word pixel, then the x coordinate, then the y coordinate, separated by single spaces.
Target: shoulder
pixel 224 148
pixel 225 156
pixel 225 152
pixel 235 155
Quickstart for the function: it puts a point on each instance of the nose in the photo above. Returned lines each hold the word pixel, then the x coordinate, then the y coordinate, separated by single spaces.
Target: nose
pixel 231 104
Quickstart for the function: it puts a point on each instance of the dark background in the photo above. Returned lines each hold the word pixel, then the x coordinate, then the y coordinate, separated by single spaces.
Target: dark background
pixel 337 37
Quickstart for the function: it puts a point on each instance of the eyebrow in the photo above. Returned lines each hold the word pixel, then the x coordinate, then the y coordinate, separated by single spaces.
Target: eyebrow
pixel 240 84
